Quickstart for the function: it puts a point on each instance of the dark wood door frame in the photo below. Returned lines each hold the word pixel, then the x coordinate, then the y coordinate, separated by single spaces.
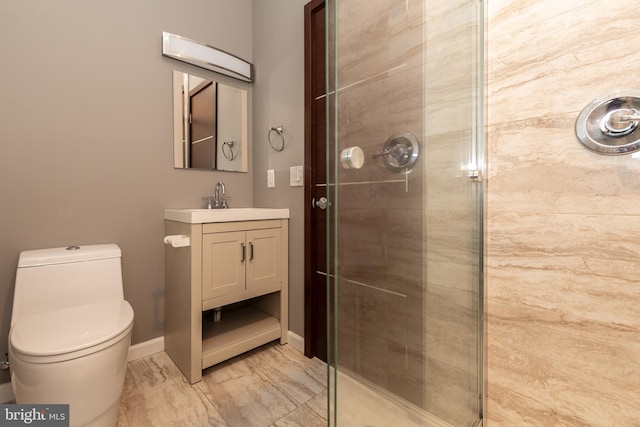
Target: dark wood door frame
pixel 315 305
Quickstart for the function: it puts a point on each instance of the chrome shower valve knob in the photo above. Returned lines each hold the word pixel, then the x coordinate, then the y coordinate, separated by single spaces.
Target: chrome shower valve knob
pixel 619 122
pixel 608 124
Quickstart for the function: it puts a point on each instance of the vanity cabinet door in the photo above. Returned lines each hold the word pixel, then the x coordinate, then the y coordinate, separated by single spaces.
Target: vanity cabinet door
pixel 223 263
pixel 264 257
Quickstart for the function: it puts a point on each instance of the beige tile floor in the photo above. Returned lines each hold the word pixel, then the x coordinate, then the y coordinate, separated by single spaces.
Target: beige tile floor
pixel 273 385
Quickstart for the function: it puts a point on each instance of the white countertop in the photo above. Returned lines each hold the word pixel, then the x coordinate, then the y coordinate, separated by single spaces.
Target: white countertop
pixel 201 216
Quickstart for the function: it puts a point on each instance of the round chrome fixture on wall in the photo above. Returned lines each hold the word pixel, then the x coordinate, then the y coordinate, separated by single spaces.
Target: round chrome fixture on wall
pixel 352 158
pixel 400 152
pixel 608 125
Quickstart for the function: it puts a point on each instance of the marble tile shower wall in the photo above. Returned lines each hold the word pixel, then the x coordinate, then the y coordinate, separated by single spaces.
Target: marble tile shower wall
pixel 563 223
pixel 408 249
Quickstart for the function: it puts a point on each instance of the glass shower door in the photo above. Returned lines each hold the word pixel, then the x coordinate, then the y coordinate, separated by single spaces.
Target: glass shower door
pixel 404 84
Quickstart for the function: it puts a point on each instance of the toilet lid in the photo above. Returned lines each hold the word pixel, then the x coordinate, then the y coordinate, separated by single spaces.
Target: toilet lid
pixel 70 330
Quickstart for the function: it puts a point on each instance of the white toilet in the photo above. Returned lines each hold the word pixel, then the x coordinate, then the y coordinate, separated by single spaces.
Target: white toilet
pixel 70 331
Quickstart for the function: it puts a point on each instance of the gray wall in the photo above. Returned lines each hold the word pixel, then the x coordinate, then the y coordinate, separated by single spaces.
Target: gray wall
pixel 278 96
pixel 86 133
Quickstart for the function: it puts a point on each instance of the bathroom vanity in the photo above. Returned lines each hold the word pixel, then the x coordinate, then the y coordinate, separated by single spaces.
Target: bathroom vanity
pixel 226 284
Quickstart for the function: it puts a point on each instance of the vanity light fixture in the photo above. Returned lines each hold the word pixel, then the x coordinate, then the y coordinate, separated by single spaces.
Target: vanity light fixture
pixel 208 57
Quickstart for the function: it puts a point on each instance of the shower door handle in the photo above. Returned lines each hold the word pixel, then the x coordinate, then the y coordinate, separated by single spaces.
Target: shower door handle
pixel 475 175
pixel 321 203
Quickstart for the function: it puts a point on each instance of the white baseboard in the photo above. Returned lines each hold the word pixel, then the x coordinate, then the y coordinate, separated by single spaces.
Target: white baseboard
pixel 295 341
pixel 6 393
pixel 144 349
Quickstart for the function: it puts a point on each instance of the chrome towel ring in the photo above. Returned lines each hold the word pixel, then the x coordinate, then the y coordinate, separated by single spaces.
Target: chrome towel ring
pixel 278 130
pixel 227 150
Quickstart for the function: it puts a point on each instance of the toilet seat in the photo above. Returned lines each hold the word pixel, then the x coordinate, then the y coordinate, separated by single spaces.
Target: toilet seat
pixel 69 333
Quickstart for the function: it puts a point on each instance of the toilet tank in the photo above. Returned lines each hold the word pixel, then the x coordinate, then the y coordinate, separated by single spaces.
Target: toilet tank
pixel 52 279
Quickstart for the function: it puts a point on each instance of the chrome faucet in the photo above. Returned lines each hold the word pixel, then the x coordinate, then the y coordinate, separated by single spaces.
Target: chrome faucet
pixel 217 201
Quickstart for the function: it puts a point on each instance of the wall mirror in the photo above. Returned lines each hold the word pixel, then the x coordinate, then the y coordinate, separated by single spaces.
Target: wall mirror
pixel 210 124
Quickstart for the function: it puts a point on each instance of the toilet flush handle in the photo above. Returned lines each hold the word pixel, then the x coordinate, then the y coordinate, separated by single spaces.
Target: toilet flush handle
pixel 5 363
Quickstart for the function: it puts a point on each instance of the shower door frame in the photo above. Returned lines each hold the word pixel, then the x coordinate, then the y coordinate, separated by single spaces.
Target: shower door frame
pixel 479 137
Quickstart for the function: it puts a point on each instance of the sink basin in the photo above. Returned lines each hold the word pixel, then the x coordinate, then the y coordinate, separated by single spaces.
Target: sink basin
pixel 200 216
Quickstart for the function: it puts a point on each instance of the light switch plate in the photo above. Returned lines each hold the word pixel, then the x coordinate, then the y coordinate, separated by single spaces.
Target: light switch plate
pixel 296 176
pixel 271 178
